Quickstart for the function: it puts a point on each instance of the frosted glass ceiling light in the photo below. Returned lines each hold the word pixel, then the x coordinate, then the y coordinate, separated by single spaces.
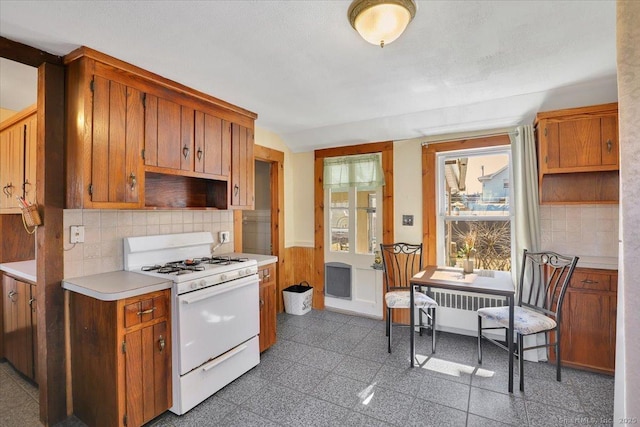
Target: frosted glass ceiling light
pixel 381 21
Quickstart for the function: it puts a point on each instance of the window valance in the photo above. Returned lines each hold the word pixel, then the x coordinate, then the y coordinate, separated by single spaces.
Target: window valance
pixel 363 171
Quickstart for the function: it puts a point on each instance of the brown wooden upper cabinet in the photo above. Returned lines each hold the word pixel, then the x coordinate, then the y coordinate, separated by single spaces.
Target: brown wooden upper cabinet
pixel 578 155
pixel 105 134
pixel 18 159
pixel 137 140
pixel 242 167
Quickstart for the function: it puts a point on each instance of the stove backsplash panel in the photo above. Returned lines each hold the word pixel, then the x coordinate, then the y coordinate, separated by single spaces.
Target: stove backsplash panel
pixel 102 250
pixel 584 230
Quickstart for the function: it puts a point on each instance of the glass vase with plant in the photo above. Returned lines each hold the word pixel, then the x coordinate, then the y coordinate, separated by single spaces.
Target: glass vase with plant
pixel 467 251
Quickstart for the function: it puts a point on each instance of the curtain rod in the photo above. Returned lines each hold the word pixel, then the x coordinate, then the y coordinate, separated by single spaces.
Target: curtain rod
pixel 487 135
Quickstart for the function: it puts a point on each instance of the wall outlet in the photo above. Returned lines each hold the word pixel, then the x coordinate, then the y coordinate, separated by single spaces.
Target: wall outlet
pixel 224 236
pixel 77 234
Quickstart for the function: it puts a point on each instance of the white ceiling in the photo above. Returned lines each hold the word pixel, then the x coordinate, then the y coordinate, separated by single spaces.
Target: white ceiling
pixel 460 66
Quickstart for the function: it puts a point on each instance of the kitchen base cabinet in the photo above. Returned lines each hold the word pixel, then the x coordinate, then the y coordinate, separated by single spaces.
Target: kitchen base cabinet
pixel 267 275
pixel 19 320
pixel 588 330
pixel 120 358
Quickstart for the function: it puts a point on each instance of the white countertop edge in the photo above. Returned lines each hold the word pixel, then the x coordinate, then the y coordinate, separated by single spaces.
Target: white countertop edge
pixel 115 285
pixel 23 270
pixel 103 296
pixel 602 263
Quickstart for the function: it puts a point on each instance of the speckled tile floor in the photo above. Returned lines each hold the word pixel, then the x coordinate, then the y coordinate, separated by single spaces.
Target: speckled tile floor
pixel 331 369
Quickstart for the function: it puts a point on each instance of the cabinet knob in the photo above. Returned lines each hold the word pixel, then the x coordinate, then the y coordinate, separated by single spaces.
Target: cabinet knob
pixel 161 343
pixel 199 153
pixel 185 151
pixel 261 303
pixel 133 180
pixel 609 145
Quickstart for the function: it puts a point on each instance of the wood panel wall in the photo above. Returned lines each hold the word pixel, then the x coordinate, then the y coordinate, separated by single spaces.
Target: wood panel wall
pixel 299 266
pixel 16 244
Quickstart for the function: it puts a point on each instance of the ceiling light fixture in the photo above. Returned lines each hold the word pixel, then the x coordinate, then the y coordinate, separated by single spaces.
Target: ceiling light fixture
pixel 381 21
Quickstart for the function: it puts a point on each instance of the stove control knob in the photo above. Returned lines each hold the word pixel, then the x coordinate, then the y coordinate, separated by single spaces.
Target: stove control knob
pixel 223 277
pixel 193 285
pixel 241 273
pixel 202 283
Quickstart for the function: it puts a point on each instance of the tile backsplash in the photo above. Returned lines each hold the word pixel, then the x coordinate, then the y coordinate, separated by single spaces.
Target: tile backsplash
pixel 584 230
pixel 102 249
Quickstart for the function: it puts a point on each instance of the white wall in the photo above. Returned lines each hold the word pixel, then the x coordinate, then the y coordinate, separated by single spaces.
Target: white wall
pixel 304 202
pixel 407 189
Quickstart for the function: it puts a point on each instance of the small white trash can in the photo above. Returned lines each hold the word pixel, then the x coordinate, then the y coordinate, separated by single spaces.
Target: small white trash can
pixel 298 298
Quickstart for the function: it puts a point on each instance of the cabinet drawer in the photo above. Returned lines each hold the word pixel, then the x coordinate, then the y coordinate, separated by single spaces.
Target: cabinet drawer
pixel 144 310
pixel 591 280
pixel 267 274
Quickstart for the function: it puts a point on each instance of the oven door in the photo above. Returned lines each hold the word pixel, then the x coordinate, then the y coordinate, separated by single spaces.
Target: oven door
pixel 216 319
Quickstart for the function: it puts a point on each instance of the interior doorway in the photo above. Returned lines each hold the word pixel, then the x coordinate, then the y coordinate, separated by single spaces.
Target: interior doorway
pixel 256 224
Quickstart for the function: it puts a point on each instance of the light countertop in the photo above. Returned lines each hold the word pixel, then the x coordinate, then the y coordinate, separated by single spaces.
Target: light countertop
pixel 262 259
pixel 116 285
pixel 23 270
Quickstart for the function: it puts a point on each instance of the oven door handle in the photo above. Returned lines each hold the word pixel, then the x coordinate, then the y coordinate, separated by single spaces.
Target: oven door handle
pixel 224 357
pixel 219 289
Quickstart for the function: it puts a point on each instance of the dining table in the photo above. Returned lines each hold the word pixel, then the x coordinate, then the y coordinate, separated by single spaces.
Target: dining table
pixel 488 282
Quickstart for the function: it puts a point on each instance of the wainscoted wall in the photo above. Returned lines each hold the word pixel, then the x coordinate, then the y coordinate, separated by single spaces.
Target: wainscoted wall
pixel 584 230
pixel 102 250
pixel 299 266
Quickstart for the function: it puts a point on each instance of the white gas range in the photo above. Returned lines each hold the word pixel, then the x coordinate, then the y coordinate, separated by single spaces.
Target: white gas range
pixel 215 311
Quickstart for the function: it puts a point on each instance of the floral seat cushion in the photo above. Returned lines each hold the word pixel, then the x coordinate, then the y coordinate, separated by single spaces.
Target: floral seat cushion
pixel 400 299
pixel 525 321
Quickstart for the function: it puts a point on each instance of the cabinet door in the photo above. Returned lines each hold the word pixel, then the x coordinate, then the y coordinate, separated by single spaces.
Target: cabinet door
pixel 30 146
pixel 11 173
pixel 609 140
pixel 580 143
pixel 147 373
pixel 213 145
pixel 33 306
pixel 18 336
pixel 267 316
pixel 118 132
pixel 242 167
pixel 586 330
pixel 169 134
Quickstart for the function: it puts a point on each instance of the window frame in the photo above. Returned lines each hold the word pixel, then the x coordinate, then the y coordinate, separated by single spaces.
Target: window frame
pixel 442 218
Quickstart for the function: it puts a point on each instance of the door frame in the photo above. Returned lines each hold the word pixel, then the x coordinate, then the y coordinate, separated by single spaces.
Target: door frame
pixel 276 159
pixel 386 149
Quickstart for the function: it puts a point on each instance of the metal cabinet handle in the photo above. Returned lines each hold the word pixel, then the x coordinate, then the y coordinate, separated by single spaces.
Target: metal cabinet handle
pixel 589 282
pixel 266 276
pixel 199 153
pixel 161 343
pixel 24 186
pixel 149 311
pixel 11 295
pixel 609 145
pixel 261 303
pixel 134 181
pixel 236 189
pixel 185 151
pixel 8 189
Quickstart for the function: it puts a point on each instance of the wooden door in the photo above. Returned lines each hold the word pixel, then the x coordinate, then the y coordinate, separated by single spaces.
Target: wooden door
pixel 268 303
pixel 242 167
pixel 118 132
pixel 147 373
pixel 33 306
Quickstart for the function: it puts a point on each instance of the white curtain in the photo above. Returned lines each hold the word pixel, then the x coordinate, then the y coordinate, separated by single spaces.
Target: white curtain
pixel 527 222
pixel 363 171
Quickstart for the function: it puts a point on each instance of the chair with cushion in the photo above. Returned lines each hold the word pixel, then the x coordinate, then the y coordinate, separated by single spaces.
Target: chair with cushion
pixel 400 262
pixel 543 282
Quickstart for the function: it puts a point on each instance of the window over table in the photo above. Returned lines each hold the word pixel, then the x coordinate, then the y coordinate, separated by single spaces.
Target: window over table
pixel 474 211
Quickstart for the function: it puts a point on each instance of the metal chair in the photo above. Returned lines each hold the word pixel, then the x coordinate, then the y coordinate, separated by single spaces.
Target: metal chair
pixel 400 262
pixel 543 282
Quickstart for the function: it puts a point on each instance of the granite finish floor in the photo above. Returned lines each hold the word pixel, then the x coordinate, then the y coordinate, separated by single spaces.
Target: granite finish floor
pixel 332 369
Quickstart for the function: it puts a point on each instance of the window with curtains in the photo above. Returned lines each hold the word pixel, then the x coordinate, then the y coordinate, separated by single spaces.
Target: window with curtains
pixel 354 186
pixel 474 207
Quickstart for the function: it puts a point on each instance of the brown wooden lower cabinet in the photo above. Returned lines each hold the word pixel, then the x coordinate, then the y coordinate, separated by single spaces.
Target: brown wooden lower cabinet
pixel 267 275
pixel 588 330
pixel 19 325
pixel 121 358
